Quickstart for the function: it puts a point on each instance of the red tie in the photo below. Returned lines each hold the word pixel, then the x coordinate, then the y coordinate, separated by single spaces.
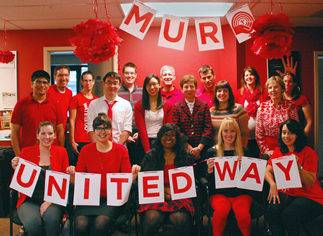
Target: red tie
pixel 110 114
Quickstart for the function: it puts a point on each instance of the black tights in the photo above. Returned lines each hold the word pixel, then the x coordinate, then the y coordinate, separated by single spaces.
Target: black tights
pixel 92 225
pixel 153 220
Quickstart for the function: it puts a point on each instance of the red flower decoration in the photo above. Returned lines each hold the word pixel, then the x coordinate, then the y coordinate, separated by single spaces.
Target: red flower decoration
pixel 273 36
pixel 96 41
pixel 6 56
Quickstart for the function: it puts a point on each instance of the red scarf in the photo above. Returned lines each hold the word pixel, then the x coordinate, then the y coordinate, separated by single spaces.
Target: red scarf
pixel 252 99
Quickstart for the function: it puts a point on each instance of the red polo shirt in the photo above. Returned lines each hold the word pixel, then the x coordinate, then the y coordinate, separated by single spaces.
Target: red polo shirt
pixel 62 98
pixel 28 112
pixel 205 95
pixel 173 96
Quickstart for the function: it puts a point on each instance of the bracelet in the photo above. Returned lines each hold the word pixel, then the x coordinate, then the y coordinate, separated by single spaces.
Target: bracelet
pixel 199 148
pixel 301 168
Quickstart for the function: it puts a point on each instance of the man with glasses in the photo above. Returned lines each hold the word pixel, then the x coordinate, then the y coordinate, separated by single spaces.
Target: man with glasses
pixel 205 92
pixel 29 111
pixel 168 91
pixel 117 108
pixel 59 91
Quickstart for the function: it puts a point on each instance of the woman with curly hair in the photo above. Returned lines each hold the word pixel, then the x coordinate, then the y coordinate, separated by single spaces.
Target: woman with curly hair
pixel 168 153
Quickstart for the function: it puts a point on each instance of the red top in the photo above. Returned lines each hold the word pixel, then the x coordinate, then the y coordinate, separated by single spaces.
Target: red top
pixel 92 161
pixel 62 98
pixel 203 94
pixel 81 104
pixel 174 96
pixel 139 114
pixel 58 161
pixel 300 103
pixel 308 159
pixel 28 112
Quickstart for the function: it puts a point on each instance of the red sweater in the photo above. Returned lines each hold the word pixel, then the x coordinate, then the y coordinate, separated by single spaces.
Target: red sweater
pixel 139 113
pixel 58 161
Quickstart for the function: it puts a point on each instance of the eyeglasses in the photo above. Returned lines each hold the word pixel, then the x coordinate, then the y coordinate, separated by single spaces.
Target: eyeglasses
pixel 99 129
pixel 109 83
pixel 152 84
pixel 169 135
pixel 87 81
pixel 39 82
pixel 63 75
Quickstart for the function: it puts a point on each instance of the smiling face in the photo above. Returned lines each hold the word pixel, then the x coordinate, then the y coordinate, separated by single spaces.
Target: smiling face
pixel 289 83
pixel 102 133
pixel 229 135
pixel 62 78
pixel 40 86
pixel 46 135
pixel 111 87
pixel 207 79
pixel 87 82
pixel 222 94
pixel 249 78
pixel 168 139
pixel 288 137
pixel 167 77
pixel 153 87
pixel 189 90
pixel 129 76
pixel 275 91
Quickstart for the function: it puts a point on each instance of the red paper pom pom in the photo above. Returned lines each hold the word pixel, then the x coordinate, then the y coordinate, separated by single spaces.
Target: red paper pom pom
pixel 96 41
pixel 6 56
pixel 273 36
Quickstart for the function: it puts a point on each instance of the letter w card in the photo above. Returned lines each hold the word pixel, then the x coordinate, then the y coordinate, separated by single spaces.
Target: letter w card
pixel 25 177
pixel 226 172
pixel 182 183
pixel 286 172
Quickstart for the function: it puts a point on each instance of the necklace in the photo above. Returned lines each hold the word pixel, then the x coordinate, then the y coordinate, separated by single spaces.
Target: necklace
pixel 151 118
pixel 103 157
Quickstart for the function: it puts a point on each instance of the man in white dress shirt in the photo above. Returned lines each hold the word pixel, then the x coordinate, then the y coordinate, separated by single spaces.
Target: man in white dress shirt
pixel 121 110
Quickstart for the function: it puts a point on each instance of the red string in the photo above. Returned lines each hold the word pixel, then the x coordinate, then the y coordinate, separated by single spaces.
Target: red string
pixel 281 7
pixel 95 8
pixel 5 36
pixel 106 10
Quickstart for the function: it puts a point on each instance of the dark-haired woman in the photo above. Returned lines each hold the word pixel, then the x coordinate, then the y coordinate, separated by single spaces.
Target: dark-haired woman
pixel 101 157
pixel 168 153
pixel 303 105
pixel 289 209
pixel 151 112
pixel 224 106
pixel 40 217
pixel 250 96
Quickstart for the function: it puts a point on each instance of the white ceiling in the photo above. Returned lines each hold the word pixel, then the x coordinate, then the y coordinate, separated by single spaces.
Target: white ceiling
pixel 64 14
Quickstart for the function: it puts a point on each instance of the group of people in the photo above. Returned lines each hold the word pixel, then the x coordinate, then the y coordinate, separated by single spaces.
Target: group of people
pixel 154 127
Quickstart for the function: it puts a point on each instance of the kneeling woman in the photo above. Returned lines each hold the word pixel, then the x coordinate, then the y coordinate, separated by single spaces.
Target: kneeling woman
pixel 168 153
pixel 101 157
pixel 289 209
pixel 223 200
pixel 38 216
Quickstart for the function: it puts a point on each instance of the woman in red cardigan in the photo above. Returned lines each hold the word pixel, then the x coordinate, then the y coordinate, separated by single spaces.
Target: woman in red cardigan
pixel 250 96
pixel 38 216
pixel 151 112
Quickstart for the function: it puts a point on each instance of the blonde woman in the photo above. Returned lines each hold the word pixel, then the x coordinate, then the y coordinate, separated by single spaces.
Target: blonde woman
pixel 223 200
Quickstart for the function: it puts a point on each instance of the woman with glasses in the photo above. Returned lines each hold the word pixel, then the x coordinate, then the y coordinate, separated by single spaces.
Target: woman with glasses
pixel 101 157
pixel 168 153
pixel 151 112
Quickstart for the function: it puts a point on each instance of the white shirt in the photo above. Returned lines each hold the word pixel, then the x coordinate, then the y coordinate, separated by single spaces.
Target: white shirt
pixel 154 121
pixel 121 115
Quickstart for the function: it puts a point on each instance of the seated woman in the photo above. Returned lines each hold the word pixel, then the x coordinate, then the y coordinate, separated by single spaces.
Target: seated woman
pixel 168 153
pixel 151 112
pixel 223 200
pixel 38 216
pixel 289 209
pixel 101 157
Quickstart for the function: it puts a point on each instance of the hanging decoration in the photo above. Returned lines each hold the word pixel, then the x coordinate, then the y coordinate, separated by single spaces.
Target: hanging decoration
pixel 273 35
pixel 96 40
pixel 6 56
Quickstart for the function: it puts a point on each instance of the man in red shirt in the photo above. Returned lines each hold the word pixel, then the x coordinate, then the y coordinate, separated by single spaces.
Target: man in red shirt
pixel 168 91
pixel 29 111
pixel 59 91
pixel 205 92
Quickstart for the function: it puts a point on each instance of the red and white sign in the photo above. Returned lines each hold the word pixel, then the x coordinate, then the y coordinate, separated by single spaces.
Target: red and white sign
pixel 209 34
pixel 56 187
pixel 87 189
pixel 182 183
pixel 138 20
pixel 286 172
pixel 151 187
pixel 118 188
pixel 25 177
pixel 252 173
pixel 241 21
pixel 173 32
pixel 225 172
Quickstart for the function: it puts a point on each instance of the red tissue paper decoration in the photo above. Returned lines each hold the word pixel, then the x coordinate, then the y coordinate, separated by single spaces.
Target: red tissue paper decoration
pixel 273 36
pixel 6 56
pixel 96 41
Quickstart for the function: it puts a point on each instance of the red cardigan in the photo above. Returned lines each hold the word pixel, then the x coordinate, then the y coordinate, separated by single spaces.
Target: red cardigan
pixel 58 161
pixel 139 113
